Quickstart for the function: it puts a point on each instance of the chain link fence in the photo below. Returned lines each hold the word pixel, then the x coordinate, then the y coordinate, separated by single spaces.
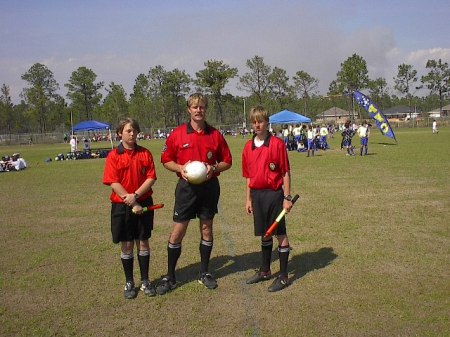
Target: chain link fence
pixel 58 137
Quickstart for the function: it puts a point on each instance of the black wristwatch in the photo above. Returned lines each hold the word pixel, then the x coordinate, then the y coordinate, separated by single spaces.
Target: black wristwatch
pixel 288 197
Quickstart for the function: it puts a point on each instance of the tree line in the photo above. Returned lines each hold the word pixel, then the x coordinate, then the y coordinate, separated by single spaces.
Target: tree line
pixel 158 97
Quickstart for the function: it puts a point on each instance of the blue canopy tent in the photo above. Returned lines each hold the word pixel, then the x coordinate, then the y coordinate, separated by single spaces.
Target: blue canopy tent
pixel 91 126
pixel 288 117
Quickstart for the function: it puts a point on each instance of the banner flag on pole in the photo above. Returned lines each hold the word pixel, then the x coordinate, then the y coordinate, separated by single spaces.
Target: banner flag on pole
pixel 379 118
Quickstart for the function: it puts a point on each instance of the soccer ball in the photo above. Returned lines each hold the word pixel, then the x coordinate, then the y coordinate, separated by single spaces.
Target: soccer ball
pixel 196 172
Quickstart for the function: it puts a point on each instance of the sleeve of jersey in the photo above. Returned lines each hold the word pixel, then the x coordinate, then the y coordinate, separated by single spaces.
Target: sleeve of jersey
pixel 168 152
pixel 110 173
pixel 151 171
pixel 244 161
pixel 284 159
pixel 225 155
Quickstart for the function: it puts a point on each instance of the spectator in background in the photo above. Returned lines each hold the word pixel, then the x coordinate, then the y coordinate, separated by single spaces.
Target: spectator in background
pixel 323 137
pixel 73 144
pixel 86 145
pixel 296 132
pixel 17 162
pixel 363 133
pixel 347 135
pixel 434 127
pixel 310 136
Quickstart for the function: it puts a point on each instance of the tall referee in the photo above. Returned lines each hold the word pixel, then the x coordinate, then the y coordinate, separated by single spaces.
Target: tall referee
pixel 194 141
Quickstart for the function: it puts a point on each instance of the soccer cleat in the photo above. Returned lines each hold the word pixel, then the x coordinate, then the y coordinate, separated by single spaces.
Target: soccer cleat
pixel 259 276
pixel 130 290
pixel 165 285
pixel 279 284
pixel 208 281
pixel 148 288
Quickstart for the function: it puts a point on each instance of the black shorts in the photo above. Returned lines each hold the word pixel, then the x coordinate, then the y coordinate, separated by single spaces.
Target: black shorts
pixel 267 205
pixel 127 226
pixel 196 201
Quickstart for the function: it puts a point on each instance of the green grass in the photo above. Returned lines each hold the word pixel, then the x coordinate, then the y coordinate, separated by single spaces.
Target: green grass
pixel 370 256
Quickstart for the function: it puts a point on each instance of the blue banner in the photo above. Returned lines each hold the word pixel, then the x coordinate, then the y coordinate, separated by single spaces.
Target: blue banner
pixel 379 118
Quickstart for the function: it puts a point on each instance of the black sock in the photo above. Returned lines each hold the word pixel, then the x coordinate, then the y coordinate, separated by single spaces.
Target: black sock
pixel 266 254
pixel 205 255
pixel 283 253
pixel 173 253
pixel 144 263
pixel 127 263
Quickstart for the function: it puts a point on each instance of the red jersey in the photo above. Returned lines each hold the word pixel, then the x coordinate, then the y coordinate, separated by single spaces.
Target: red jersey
pixel 265 165
pixel 184 144
pixel 130 168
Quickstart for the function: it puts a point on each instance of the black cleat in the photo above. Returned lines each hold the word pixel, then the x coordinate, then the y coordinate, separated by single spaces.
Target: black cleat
pixel 130 290
pixel 165 285
pixel 148 288
pixel 208 281
pixel 259 276
pixel 279 284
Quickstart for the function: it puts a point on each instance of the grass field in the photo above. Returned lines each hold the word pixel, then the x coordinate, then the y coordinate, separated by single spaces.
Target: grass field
pixel 370 238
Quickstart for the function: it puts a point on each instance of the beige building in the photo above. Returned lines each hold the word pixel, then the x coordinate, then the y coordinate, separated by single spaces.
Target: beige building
pixel 436 113
pixel 334 115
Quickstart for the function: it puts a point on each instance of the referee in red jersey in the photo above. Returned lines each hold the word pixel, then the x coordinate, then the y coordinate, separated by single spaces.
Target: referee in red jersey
pixel 265 165
pixel 194 141
pixel 130 171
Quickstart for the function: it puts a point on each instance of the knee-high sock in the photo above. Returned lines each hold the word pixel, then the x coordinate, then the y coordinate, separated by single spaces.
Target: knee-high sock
pixel 283 253
pixel 173 253
pixel 205 255
pixel 127 263
pixel 266 254
pixel 144 263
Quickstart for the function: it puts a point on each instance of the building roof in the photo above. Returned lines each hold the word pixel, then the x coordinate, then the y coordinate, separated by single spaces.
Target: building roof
pixel 397 110
pixel 335 112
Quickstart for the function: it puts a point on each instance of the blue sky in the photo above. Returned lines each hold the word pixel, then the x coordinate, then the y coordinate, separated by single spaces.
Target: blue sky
pixel 118 40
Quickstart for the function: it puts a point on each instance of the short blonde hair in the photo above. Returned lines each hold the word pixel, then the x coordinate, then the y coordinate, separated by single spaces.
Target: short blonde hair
pixel 259 114
pixel 197 98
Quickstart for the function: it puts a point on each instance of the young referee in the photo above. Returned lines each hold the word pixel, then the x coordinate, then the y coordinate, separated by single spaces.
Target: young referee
pixel 130 171
pixel 265 165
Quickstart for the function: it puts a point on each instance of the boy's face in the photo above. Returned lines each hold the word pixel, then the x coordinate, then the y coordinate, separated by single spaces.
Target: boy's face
pixel 260 128
pixel 128 135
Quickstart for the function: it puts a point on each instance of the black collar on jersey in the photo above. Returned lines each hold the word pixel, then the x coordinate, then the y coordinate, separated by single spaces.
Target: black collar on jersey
pixel 121 148
pixel 266 140
pixel 206 130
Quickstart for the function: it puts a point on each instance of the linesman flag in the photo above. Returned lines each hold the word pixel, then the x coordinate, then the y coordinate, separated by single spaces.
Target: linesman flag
pixel 379 118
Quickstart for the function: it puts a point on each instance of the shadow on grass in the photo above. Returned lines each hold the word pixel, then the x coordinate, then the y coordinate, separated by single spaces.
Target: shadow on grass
pixel 302 264
pixel 382 143
pixel 221 266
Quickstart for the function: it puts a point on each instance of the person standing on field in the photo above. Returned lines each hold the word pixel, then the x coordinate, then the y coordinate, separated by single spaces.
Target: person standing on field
pixel 310 137
pixel 434 127
pixel 265 166
pixel 347 135
pixel 73 144
pixel 363 133
pixel 130 171
pixel 194 141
